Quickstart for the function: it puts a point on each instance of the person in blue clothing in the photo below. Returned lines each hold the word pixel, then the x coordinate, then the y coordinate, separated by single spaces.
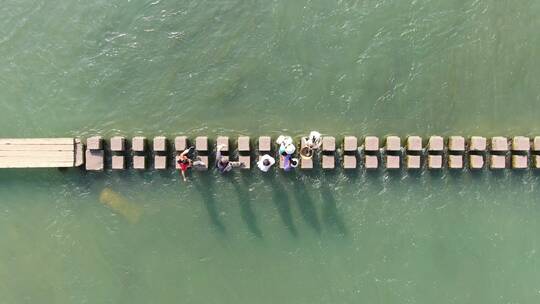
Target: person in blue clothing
pixel 286 153
pixel 287 162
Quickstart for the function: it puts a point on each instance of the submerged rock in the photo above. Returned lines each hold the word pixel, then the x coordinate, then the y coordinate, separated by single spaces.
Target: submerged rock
pixel 121 205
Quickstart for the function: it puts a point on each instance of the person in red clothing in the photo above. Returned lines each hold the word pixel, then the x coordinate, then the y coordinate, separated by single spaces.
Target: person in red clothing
pixel 184 163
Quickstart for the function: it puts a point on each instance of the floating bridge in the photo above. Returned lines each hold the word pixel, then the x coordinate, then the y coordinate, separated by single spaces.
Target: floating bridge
pixel 348 152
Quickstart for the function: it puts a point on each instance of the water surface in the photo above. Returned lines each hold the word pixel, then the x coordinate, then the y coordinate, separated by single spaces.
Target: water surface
pixel 78 68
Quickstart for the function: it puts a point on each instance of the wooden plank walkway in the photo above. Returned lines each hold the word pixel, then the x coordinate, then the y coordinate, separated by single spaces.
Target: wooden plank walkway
pixel 40 153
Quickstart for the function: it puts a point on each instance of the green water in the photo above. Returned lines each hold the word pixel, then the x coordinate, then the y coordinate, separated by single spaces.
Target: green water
pixel 78 68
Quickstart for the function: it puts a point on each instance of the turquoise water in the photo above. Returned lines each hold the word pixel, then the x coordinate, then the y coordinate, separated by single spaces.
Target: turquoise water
pixel 79 68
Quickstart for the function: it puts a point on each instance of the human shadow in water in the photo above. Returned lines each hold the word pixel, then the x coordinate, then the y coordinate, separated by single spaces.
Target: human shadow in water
pixel 244 201
pixel 306 205
pixel 330 212
pixel 282 202
pixel 204 183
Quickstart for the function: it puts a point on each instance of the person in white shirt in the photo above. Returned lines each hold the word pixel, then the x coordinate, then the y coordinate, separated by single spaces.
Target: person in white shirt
pixel 265 162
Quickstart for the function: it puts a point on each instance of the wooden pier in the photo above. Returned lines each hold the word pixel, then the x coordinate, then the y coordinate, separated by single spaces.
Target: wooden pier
pixel 41 153
pixel 346 152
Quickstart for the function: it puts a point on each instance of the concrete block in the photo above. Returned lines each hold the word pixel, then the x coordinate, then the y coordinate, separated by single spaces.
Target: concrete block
pixel 476 161
pixel 478 143
pixel 246 160
pixel 265 144
pixel 393 162
pixel 521 144
pixel 393 143
pixel 536 144
pixel 435 161
pixel 499 144
pixel 139 162
pixel 520 162
pixel 201 143
pixel 436 144
pixel 328 162
pixel 118 144
pixel 78 153
pixel 180 143
pixel 94 143
pixel 537 161
pixel 371 144
pixel 118 162
pixel 223 140
pixel 138 144
pixel 94 160
pixel 456 143
pixel 414 143
pixel 413 162
pixel 371 162
pixel 243 144
pixel 160 162
pixel 497 162
pixel 455 161
pixel 329 144
pixel 349 161
pixel 160 144
pixel 306 163
pixel 350 144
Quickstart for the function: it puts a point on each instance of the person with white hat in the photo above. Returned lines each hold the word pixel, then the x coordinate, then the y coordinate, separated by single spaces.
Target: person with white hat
pixel 286 145
pixel 265 162
pixel 286 151
pixel 314 140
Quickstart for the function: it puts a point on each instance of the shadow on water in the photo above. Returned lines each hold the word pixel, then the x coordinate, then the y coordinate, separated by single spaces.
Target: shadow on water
pixel 330 213
pixel 282 202
pixel 305 204
pixel 436 174
pixel 478 174
pixel 394 176
pixel 415 175
pixel 244 201
pixel 456 173
pixel 204 183
pixel 352 175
